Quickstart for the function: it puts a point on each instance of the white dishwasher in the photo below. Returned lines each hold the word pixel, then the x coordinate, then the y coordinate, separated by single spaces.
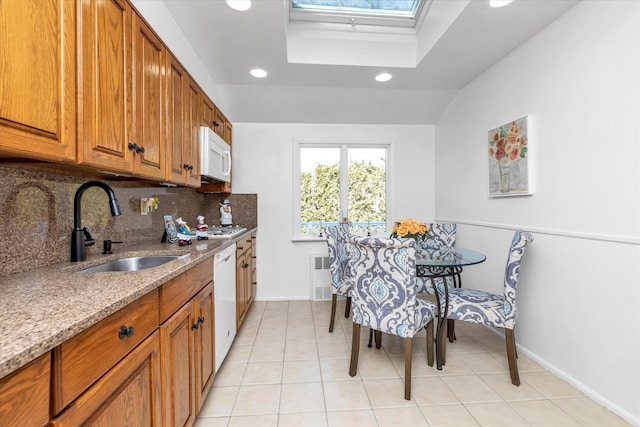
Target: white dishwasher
pixel 224 282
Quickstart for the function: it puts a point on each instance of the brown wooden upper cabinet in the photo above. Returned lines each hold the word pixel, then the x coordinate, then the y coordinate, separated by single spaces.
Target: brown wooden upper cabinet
pixel 191 138
pixel 227 132
pixel 37 88
pixel 219 123
pixel 89 82
pixel 208 112
pixel 183 126
pixel 105 84
pixel 149 59
pixel 121 129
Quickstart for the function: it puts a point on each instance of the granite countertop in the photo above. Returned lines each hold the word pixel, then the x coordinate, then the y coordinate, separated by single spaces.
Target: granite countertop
pixel 42 308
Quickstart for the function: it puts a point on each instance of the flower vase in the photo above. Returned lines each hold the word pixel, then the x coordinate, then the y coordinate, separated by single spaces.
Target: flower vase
pixel 505 173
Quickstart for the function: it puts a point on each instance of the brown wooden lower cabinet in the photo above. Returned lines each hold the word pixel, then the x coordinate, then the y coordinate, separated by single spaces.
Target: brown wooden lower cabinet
pixel 205 344
pixel 127 395
pixel 149 364
pixel 178 355
pixel 244 278
pixel 24 395
pixel 188 359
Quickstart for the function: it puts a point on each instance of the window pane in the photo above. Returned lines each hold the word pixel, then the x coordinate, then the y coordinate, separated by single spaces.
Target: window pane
pixel 397 7
pixel 319 187
pixel 367 190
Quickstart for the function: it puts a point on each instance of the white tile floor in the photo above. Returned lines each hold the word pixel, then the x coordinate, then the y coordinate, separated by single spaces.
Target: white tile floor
pixel 286 369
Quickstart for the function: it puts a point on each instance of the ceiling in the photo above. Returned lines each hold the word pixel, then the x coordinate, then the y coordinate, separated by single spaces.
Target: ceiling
pixel 229 43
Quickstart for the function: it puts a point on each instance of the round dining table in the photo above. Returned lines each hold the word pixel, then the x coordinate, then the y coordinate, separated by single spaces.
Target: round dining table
pixel 442 264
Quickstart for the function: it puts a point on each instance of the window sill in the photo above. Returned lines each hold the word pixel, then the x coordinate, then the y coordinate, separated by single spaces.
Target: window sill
pixel 309 240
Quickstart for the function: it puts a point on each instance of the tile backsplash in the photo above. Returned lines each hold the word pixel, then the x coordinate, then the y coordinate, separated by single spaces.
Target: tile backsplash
pixel 36 215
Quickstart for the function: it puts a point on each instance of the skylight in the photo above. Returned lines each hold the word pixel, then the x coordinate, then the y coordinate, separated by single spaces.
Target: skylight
pixel 397 13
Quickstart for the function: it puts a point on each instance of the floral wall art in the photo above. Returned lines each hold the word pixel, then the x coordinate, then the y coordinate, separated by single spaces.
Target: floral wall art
pixel 509 159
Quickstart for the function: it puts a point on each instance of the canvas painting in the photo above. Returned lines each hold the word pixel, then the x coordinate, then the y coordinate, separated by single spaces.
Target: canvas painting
pixel 509 159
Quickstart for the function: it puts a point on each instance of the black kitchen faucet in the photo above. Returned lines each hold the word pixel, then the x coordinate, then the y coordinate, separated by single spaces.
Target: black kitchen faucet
pixel 80 237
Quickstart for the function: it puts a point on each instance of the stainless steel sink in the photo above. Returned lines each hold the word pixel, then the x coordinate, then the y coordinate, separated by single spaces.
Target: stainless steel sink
pixel 132 263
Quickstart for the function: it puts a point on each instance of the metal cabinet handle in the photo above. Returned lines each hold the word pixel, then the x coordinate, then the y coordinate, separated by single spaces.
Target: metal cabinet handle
pixel 194 326
pixel 200 319
pixel 125 332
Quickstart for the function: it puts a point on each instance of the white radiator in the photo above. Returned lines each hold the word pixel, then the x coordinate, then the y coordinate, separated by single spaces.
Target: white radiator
pixel 320 277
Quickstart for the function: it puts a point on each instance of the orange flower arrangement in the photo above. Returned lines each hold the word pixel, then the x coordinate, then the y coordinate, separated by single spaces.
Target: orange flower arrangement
pixel 410 228
pixel 508 143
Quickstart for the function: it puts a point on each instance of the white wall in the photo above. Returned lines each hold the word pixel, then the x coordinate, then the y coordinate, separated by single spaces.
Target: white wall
pixel 263 164
pixel 579 299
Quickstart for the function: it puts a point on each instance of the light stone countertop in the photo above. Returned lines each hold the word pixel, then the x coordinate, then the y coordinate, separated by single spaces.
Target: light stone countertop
pixel 42 308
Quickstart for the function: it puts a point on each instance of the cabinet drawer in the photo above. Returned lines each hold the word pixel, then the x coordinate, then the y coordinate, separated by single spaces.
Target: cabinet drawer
pixel 244 245
pixel 127 395
pixel 176 292
pixel 83 359
pixel 24 395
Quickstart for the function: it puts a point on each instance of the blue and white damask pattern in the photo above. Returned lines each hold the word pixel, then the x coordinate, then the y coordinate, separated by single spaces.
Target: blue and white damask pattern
pixel 487 308
pixel 341 277
pixel 443 238
pixel 384 292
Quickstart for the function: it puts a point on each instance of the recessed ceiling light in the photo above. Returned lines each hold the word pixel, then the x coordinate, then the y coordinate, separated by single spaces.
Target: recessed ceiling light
pixel 383 77
pixel 258 72
pixel 240 5
pixel 499 3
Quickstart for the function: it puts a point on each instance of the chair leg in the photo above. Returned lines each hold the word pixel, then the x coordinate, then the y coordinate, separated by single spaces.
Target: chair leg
pixel 451 331
pixel 334 301
pixel 355 349
pixel 430 341
pixel 347 308
pixel 407 368
pixel 378 335
pixel 441 344
pixel 511 356
pixel 370 338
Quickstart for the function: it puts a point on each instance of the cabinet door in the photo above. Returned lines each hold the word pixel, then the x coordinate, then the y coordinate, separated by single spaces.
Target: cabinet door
pixel 105 85
pixel 149 130
pixel 254 275
pixel 205 345
pixel 228 128
pixel 191 139
pixel 241 288
pixel 178 370
pixel 208 112
pixel 38 79
pixel 24 395
pixel 219 123
pixel 248 243
pixel 127 395
pixel 176 172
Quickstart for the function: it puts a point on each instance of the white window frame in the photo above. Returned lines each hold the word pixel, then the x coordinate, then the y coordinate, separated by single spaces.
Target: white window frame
pixel 344 145
pixel 358 17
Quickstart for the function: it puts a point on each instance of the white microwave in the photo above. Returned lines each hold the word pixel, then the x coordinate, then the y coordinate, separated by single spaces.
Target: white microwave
pixel 215 157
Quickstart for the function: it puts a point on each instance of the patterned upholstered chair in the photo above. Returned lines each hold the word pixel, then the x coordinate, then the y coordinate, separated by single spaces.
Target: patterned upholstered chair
pixel 495 310
pixel 341 279
pixel 384 296
pixel 443 237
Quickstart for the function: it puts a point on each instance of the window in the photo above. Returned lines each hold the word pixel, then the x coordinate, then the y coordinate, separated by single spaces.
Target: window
pixel 341 182
pixel 399 13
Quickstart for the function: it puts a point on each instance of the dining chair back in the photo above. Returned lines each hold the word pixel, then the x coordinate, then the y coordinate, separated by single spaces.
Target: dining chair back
pixel 339 267
pixel 442 239
pixel 384 296
pixel 438 246
pixel 489 309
